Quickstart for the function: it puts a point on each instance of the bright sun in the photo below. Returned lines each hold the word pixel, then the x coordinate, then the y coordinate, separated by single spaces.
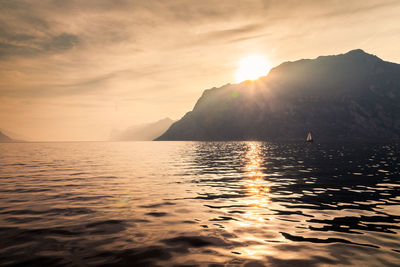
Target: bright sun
pixel 251 68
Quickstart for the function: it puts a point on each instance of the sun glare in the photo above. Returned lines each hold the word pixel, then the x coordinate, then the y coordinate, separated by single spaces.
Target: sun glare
pixel 251 68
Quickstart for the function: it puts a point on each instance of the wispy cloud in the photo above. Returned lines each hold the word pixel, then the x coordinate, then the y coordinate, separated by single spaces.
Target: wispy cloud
pixel 158 53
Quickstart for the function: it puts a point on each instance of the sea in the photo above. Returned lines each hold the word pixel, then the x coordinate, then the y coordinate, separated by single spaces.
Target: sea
pixel 199 204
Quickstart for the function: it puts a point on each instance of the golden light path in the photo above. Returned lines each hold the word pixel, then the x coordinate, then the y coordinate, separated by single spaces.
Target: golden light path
pixel 258 201
pixel 251 68
pixel 258 187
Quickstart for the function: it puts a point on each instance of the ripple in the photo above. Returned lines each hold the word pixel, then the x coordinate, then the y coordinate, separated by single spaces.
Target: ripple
pixel 157 214
pixel 194 241
pixel 157 205
pixel 319 240
pixel 199 204
pixel 101 223
pixel 55 211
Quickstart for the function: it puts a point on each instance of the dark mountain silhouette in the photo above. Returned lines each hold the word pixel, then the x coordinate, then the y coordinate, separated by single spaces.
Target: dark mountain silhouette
pixel 349 96
pixel 5 139
pixel 144 132
pixel 14 136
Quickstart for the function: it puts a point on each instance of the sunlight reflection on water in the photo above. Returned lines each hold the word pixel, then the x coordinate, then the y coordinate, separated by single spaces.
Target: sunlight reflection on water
pixel 171 203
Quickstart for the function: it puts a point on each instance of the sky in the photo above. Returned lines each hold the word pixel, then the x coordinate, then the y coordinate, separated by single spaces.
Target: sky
pixel 77 70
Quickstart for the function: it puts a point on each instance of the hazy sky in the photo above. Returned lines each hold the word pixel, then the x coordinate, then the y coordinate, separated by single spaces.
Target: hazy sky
pixel 75 70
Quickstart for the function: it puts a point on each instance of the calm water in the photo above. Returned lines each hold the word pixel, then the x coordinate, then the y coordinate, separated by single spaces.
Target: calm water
pixel 199 203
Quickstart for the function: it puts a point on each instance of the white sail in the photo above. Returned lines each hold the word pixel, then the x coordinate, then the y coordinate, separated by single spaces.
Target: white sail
pixel 309 137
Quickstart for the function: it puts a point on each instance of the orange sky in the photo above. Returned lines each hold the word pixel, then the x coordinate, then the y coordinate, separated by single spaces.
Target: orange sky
pixel 75 70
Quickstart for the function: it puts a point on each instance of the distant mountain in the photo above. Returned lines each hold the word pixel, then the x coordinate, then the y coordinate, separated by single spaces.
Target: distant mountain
pixel 348 96
pixel 144 132
pixel 4 138
pixel 16 137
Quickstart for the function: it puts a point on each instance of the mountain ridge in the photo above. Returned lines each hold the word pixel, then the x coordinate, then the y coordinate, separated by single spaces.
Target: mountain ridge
pixel 144 132
pixel 5 139
pixel 352 95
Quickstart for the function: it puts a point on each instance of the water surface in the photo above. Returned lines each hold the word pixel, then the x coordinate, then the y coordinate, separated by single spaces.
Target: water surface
pixel 199 203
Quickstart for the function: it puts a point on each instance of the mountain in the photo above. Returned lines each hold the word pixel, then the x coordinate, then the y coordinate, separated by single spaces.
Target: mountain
pixel 348 96
pixel 145 132
pixel 16 137
pixel 4 138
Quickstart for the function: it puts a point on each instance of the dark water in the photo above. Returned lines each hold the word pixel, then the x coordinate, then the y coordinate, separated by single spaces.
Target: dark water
pixel 199 203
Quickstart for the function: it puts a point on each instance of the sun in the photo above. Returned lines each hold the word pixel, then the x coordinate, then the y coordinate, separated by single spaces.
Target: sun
pixel 251 68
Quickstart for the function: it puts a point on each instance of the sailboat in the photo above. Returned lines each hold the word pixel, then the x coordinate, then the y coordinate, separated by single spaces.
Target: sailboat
pixel 309 138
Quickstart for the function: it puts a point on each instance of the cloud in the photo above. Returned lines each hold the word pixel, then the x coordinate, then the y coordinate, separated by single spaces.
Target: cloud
pixel 158 53
pixel 356 8
pixel 242 32
pixel 28 45
pixel 61 42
